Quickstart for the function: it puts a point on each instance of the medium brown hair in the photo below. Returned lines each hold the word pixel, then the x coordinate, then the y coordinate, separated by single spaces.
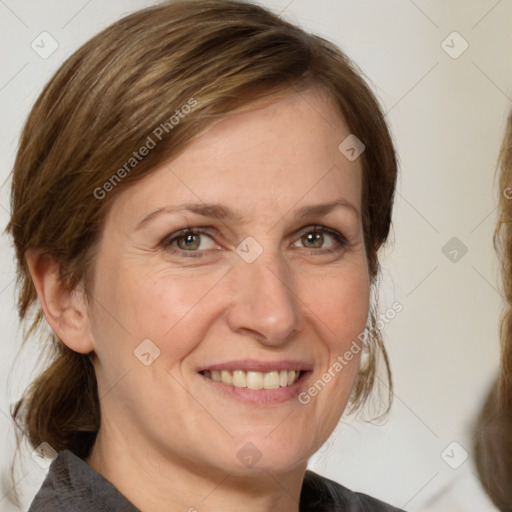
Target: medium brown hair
pixel 102 105
pixel 503 246
pixel 493 435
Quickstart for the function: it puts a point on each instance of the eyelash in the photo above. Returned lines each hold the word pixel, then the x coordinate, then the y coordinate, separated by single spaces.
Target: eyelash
pixel 340 240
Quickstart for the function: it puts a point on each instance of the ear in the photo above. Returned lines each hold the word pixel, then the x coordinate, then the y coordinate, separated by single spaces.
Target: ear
pixel 65 310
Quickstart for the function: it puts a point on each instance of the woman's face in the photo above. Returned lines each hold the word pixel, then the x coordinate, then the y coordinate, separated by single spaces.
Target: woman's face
pixel 245 256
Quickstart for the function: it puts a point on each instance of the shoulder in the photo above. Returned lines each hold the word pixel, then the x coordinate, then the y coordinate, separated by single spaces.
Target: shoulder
pixel 50 493
pixel 71 485
pixel 320 494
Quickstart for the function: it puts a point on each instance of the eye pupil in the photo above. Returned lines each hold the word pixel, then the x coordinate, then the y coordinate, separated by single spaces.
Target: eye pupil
pixel 190 241
pixel 315 239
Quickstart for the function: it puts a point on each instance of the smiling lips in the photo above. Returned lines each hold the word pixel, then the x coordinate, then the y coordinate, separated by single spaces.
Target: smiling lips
pixel 254 380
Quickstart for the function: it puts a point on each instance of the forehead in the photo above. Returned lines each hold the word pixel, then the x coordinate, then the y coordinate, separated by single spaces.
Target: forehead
pixel 299 126
pixel 269 157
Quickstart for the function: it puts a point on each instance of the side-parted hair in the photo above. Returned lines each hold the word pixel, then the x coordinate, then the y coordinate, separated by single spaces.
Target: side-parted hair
pixel 157 79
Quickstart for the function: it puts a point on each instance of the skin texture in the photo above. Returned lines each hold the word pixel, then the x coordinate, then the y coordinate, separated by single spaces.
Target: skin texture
pixel 168 439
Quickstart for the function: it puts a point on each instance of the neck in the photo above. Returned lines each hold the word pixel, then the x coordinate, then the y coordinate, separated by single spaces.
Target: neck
pixel 157 482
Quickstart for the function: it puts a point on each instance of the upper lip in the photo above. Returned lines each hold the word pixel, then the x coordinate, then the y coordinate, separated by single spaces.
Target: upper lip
pixel 253 365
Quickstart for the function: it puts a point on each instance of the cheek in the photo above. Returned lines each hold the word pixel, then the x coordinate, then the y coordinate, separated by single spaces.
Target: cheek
pixel 173 310
pixel 340 305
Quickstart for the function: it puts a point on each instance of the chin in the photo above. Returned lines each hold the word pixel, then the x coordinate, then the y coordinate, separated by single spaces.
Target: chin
pixel 263 453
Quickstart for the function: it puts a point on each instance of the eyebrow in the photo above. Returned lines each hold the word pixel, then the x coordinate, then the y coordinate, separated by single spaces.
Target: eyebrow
pixel 221 212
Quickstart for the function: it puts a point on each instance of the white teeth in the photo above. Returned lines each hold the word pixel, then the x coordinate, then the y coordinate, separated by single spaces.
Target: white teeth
pixel 239 379
pixel 255 380
pixel 271 380
pixel 226 377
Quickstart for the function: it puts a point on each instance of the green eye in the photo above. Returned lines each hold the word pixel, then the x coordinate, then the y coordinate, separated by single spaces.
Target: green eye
pixel 313 240
pixel 189 242
pixel 197 242
pixel 321 240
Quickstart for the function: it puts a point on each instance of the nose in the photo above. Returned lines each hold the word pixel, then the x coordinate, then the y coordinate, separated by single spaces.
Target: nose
pixel 264 303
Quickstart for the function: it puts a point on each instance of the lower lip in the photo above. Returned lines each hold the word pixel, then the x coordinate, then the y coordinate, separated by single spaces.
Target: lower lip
pixel 260 396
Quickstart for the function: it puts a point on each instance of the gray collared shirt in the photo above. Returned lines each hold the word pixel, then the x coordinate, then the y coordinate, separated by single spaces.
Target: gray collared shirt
pixel 73 486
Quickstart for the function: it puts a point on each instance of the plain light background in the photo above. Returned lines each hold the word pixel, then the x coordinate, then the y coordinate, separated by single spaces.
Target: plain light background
pixel 446 108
